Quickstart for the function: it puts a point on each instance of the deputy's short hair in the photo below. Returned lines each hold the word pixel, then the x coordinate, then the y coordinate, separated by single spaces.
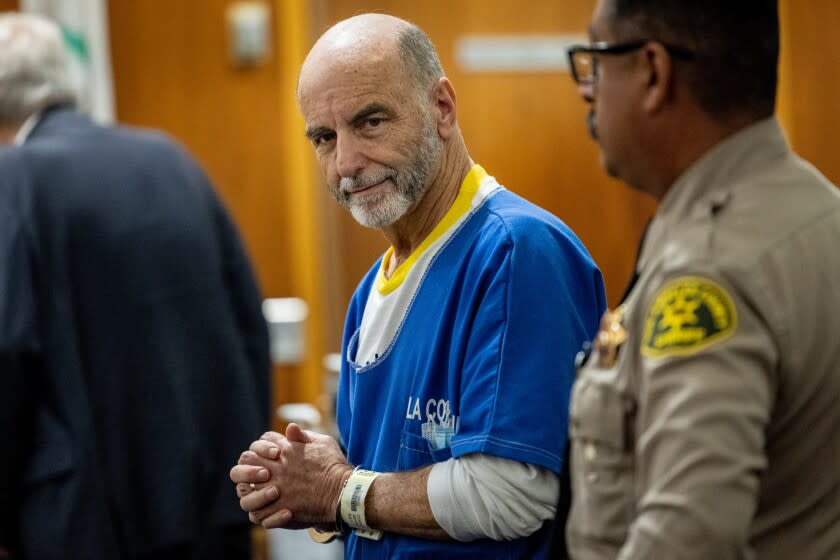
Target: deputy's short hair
pixel 736 43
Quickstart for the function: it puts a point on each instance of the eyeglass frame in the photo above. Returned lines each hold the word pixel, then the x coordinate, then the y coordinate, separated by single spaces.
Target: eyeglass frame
pixel 604 47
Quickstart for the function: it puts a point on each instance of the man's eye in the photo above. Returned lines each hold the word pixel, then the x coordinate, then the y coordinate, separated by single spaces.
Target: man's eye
pixel 373 122
pixel 323 138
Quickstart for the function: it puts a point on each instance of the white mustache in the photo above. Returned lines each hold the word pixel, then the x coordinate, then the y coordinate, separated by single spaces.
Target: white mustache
pixel 360 182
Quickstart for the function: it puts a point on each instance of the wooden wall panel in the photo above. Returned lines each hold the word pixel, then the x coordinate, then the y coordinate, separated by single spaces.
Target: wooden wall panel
pixel 810 81
pixel 527 129
pixel 8 5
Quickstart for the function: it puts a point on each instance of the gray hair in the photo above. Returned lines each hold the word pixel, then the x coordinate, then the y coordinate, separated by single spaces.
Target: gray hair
pixel 34 67
pixel 420 57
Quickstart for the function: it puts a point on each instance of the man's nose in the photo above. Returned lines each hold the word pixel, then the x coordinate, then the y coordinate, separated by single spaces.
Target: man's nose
pixel 349 158
pixel 587 91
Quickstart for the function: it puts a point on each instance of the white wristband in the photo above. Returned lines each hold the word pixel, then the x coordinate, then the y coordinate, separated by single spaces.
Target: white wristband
pixel 353 503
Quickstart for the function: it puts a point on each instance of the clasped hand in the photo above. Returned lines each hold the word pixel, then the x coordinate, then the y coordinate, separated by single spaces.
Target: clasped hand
pixel 293 481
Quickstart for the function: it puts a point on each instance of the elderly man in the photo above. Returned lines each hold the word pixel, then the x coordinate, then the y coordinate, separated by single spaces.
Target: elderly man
pixel 133 353
pixel 458 343
pixel 705 422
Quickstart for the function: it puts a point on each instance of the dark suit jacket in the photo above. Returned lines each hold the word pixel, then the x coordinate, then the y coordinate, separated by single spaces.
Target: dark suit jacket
pixel 134 360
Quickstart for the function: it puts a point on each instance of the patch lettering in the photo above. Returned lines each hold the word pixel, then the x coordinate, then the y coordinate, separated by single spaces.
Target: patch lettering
pixel 440 425
pixel 688 314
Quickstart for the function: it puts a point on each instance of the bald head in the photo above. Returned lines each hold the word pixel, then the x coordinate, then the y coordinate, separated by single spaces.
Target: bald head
pixel 381 117
pixel 375 39
pixel 365 33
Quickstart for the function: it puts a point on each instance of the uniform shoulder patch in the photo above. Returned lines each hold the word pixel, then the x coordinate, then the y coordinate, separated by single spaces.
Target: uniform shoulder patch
pixel 688 314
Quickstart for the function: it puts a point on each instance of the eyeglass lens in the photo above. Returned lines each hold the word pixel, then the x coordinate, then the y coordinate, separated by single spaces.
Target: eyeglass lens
pixel 584 67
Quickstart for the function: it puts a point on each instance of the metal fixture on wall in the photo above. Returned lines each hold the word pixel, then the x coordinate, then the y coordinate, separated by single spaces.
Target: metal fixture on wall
pixel 249 33
pixel 286 318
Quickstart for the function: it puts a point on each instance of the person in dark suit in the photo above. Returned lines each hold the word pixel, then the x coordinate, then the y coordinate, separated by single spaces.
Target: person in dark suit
pixel 134 361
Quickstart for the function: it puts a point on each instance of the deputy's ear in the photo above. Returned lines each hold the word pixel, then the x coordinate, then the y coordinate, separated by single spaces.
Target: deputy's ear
pixel 659 67
pixel 444 99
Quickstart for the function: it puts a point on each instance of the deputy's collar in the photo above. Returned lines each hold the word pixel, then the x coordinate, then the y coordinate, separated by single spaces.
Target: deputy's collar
pixel 710 180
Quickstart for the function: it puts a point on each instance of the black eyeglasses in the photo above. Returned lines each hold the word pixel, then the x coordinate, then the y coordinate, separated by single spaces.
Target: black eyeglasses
pixel 583 60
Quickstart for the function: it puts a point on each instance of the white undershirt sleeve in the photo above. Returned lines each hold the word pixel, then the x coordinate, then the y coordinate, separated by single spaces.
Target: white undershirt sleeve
pixel 482 496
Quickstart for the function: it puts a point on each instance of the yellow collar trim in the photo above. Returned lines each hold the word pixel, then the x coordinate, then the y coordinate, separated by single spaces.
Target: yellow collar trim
pixel 461 206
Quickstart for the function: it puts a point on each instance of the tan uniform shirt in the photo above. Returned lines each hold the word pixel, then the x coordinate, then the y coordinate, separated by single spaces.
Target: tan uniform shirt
pixel 706 422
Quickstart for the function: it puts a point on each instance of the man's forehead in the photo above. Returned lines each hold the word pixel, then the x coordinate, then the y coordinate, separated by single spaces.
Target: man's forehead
pixel 343 73
pixel 342 96
pixel 339 62
pixel 331 64
pixel 338 76
pixel 335 84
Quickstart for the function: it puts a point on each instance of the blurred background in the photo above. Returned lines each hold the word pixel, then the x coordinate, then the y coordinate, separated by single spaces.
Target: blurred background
pixel 219 75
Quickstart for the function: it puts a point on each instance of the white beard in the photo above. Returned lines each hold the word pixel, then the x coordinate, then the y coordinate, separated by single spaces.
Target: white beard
pixel 407 187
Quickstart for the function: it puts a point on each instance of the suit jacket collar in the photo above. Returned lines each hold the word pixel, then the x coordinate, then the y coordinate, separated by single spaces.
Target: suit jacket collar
pixel 57 119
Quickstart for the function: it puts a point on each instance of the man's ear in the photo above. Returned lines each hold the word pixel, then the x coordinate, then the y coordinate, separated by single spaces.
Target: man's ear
pixel 659 76
pixel 444 100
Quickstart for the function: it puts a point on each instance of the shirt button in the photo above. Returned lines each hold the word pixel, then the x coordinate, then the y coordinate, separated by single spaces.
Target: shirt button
pixel 590 452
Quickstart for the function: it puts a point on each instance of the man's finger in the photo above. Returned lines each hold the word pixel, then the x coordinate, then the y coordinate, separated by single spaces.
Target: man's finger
pixel 265 448
pixel 259 499
pixel 278 519
pixel 249 474
pixel 250 458
pixel 273 437
pixel 294 433
pixel 243 489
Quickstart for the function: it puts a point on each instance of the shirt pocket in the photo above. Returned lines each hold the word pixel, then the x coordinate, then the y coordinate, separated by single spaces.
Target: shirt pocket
pixel 415 452
pixel 602 459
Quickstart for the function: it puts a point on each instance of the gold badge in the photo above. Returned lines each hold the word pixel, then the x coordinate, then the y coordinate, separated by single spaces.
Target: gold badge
pixel 610 336
pixel 688 314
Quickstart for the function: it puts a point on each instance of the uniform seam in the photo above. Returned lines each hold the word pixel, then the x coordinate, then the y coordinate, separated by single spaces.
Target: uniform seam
pixel 509 249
